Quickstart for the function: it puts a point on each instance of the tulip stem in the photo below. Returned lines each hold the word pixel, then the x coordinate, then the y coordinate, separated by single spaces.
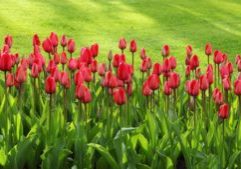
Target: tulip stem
pixel 65 110
pixel 223 146
pixel 208 59
pixel 50 112
pixel 133 61
pixel 194 110
pixel 175 100
pixel 218 74
pixel 215 70
pixel 239 100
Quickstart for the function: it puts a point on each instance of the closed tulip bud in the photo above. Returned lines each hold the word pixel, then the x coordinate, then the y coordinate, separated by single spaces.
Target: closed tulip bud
pixel 36 41
pixel 78 78
pixel 51 66
pixel 56 58
pixel 65 80
pixel 122 43
pixel 79 91
pixel 54 39
pixel 10 80
pixel 194 62
pixel 143 54
pixel 230 67
pixel 64 41
pixel 192 87
pixel 85 56
pixel 146 90
pixel 8 40
pixel 21 74
pixel 115 61
pixel 35 70
pixel 101 69
pixel 5 49
pixel 72 64
pixel 48 46
pixel 208 49
pixel 113 82
pixel 217 96
pixel 94 49
pixel 119 96
pixel 129 89
pixel 204 84
pixel 87 74
pixel 173 62
pixel 237 87
pixel 110 55
pixel 50 85
pixel 218 57
pixel 133 46
pixel 63 58
pixel 144 65
pixel 165 51
pixel 226 83
pixel 188 71
pixel 173 80
pixel 223 111
pixel 123 72
pixel 189 51
pixel 166 67
pixel 167 89
pixel 5 62
pixel 224 71
pixel 93 66
pixel 157 69
pixel 87 96
pixel 71 46
pixel 209 74
pixel 154 81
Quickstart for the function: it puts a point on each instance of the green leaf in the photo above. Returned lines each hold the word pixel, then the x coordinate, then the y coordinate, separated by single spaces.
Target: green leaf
pixel 105 154
pixel 233 158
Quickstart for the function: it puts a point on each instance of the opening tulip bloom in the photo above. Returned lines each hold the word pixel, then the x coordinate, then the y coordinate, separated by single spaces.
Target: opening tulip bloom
pixel 154 82
pixel 5 62
pixel 47 46
pixel 71 46
pixel 50 85
pixel 192 87
pixel 119 96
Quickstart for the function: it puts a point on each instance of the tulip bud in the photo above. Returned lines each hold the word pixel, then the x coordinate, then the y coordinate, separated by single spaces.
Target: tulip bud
pixel 63 58
pixel 154 82
pixel 54 39
pixel 223 111
pixel 36 41
pixel 63 41
pixel 204 84
pixel 208 49
pixel 71 46
pixel 119 96
pixel 146 90
pixel 50 85
pixel 10 80
pixel 192 87
pixel 94 49
pixel 173 80
pixel 5 62
pixel 189 51
pixel 65 80
pixel 133 46
pixel 194 62
pixel 237 87
pixel 143 54
pixel 167 89
pixel 122 43
pixel 48 46
pixel 165 51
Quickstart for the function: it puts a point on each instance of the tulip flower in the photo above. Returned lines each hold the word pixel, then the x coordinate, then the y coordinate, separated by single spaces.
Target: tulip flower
pixel 50 85
pixel 237 91
pixel 189 51
pixel 8 40
pixel 63 59
pixel 157 69
pixel 119 96
pixel 5 62
pixel 21 75
pixel 63 41
pixel 208 50
pixel 71 47
pixel 226 86
pixel 217 97
pixel 167 90
pixel 194 62
pixel 173 62
pixel 36 40
pixel 223 111
pixel 187 72
pixel 204 85
pixel 166 67
pixel 165 51
pixel 143 53
pixel 94 49
pixel 154 82
pixel 54 39
pixel 101 69
pixel 133 48
pixel 146 90
pixel 10 80
pixel 35 70
pixel 174 80
pixel 72 64
pixel 123 72
pixel 48 46
pixel 56 58
pixel 122 45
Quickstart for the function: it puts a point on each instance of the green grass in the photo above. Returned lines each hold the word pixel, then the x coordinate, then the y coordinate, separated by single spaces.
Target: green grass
pixel 151 23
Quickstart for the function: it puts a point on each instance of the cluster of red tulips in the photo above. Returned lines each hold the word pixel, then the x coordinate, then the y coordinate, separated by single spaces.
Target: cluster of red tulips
pixel 117 76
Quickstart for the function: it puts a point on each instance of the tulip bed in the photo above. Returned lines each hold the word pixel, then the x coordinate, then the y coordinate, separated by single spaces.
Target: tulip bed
pixel 62 109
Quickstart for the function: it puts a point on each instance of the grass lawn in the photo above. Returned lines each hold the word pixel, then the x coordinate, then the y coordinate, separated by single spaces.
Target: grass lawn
pixel 152 23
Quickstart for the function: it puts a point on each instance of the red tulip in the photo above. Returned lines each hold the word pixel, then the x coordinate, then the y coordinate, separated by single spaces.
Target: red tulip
pixel 56 74
pixel 173 80
pixel 63 58
pixel 122 43
pixel 192 87
pixel 230 67
pixel 79 91
pixel 36 41
pixel 224 71
pixel 85 56
pixel 51 66
pixel 166 67
pixel 123 72
pixel 54 39
pixel 194 62
pixel 50 85
pixel 101 69
pixel 35 70
pixel 146 90
pixel 143 54
pixel 113 82
pixel 78 78
pixel 56 58
pixel 209 74
pixel 145 65
pixel 167 89
pixel 5 62
pixel 47 45
pixel 226 83
pixel 218 57
pixel 71 46
pixel 72 64
pixel 93 66
pixel 208 49
pixel 64 41
pixel 5 49
pixel 129 89
pixel 198 73
pixel 10 80
pixel 188 71
pixel 119 96
pixel 157 69
pixel 173 62
pixel 21 74
pixel 189 51
pixel 223 111
pixel 153 82
pixel 94 49
pixel 204 83
pixel 165 51
pixel 65 80
pixel 133 46
pixel 8 40
pixel 87 96
pixel 217 96
pixel 87 74
pixel 237 87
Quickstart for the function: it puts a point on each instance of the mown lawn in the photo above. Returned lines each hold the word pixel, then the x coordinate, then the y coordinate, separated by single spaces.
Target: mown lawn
pixel 152 23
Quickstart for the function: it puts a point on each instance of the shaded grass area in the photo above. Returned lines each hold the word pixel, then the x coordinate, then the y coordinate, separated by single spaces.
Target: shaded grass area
pixel 152 23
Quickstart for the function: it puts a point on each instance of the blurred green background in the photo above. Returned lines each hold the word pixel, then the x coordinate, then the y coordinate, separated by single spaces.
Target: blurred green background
pixel 151 22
